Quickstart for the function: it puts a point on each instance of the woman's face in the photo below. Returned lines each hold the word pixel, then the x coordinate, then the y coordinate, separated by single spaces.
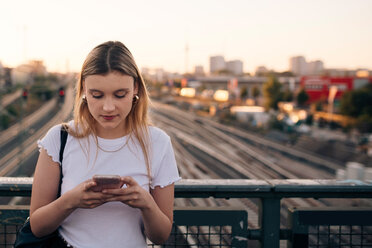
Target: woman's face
pixel 110 99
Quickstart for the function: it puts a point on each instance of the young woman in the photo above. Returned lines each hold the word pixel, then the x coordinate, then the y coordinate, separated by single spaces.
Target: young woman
pixel 110 134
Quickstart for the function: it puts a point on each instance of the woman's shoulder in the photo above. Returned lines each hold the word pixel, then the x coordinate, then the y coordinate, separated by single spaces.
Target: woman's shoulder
pixel 157 134
pixel 55 130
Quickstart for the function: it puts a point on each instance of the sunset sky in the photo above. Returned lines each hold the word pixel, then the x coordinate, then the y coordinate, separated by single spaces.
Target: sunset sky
pixel 258 32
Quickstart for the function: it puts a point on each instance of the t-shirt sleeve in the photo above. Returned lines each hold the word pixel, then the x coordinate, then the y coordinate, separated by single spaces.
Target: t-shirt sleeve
pixel 51 143
pixel 165 171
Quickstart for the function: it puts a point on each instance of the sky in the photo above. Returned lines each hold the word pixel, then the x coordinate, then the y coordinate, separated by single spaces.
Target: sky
pixel 258 32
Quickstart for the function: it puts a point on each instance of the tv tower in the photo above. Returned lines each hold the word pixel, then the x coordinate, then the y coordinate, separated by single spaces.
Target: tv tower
pixel 186 58
pixel 25 43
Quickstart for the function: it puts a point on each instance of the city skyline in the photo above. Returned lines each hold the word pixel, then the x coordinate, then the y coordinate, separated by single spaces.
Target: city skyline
pixel 259 33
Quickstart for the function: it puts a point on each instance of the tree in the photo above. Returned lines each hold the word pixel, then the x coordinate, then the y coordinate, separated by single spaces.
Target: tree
pixel 302 97
pixel 255 92
pixel 358 104
pixel 243 92
pixel 272 93
pixel 287 96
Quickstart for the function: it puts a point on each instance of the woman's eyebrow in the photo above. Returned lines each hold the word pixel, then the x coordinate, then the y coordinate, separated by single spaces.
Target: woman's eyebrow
pixel 95 90
pixel 119 90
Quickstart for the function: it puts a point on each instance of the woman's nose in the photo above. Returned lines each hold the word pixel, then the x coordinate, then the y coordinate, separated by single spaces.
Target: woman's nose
pixel 108 105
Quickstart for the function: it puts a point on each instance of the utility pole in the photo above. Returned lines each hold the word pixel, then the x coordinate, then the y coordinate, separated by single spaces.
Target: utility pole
pixel 186 58
pixel 21 124
pixel 24 43
pixel 186 52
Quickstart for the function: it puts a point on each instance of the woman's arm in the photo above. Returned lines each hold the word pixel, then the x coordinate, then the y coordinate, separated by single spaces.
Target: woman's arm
pixel 46 211
pixel 158 218
pixel 156 207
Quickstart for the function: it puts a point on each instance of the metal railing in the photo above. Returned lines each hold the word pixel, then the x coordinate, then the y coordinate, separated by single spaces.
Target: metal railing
pixel 229 225
pixel 330 227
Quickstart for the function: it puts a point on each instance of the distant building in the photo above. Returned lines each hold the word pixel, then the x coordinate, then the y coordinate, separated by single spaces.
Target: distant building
pixel 38 68
pixel 199 70
pixel 318 88
pixel 145 72
pixel 7 76
pixel 24 74
pixel 315 68
pixel 331 72
pixel 261 70
pixel 235 67
pixel 160 74
pixel 216 63
pixel 298 65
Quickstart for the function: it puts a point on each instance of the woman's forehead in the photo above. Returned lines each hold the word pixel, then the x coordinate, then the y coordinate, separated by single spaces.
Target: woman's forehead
pixel 110 80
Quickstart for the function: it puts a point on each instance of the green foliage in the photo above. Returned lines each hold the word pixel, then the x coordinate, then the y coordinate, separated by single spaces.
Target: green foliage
pixel 358 104
pixel 318 106
pixel 309 120
pixel 364 123
pixel 255 91
pixel 4 121
pixel 201 88
pixel 243 92
pixel 287 96
pixel 302 97
pixel 12 110
pixel 42 90
pixel 272 93
pixel 274 123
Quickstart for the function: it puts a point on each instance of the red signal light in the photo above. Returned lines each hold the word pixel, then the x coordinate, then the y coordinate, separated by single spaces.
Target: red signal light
pixel 25 94
pixel 61 93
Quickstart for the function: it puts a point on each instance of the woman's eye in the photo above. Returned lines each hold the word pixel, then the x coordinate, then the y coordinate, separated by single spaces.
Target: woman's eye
pixel 121 95
pixel 97 96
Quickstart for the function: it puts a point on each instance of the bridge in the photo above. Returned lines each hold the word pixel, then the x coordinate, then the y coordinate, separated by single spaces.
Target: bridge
pixel 221 226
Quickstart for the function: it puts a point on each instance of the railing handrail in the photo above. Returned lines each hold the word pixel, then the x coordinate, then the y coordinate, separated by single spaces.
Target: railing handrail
pixel 235 188
pixel 269 192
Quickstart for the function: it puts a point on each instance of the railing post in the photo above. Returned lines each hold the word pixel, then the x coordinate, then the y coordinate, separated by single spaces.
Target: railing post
pixel 269 220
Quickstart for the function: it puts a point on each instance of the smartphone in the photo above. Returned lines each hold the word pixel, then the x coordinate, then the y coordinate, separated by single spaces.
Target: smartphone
pixel 106 182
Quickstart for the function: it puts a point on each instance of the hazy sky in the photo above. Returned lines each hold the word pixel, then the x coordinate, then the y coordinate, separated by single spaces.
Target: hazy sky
pixel 262 32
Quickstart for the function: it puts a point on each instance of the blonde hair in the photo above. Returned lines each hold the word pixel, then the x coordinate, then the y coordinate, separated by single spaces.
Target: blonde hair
pixel 113 56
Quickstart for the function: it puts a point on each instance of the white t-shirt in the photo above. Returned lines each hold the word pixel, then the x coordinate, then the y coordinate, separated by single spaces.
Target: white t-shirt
pixel 112 224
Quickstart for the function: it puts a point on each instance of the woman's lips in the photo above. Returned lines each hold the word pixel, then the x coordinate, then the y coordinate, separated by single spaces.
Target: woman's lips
pixel 108 117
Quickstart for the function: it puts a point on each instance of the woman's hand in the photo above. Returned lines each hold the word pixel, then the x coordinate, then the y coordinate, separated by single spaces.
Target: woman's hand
pixel 156 206
pixel 82 196
pixel 133 195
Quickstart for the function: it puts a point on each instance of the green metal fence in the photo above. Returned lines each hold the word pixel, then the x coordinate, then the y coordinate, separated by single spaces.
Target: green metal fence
pixel 209 227
pixel 225 227
pixel 11 219
pixel 330 227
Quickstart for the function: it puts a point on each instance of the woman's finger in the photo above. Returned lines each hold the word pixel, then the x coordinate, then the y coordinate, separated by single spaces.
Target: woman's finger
pixel 129 181
pixel 123 198
pixel 89 184
pixel 121 191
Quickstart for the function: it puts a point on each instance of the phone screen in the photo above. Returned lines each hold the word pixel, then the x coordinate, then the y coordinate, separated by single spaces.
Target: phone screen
pixel 106 182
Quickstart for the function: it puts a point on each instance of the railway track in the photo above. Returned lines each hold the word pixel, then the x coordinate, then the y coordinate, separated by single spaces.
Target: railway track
pixel 14 157
pixel 206 149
